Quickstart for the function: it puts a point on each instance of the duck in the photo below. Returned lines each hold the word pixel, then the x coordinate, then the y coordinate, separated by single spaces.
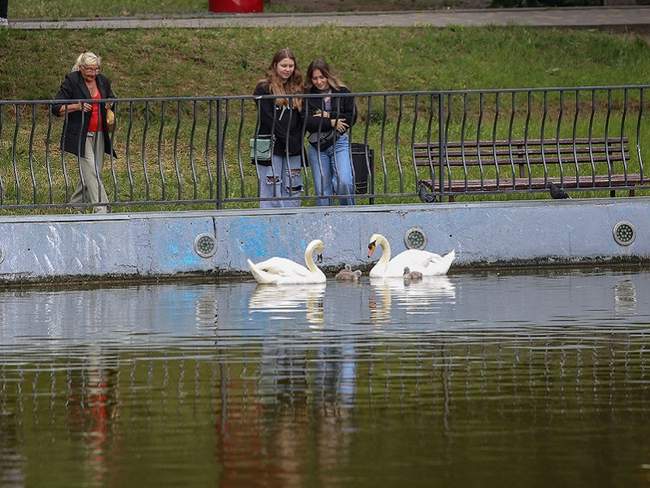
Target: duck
pixel 283 271
pixel 346 274
pixel 411 275
pixel 425 262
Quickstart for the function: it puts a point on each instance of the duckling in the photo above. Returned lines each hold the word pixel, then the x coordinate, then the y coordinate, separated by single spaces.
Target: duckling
pixel 346 274
pixel 411 275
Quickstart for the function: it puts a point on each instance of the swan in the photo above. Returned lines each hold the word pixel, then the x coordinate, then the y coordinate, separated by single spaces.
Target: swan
pixel 427 263
pixel 282 271
pixel 346 274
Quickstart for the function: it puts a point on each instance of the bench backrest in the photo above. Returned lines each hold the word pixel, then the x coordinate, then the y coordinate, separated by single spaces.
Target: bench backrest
pixel 522 153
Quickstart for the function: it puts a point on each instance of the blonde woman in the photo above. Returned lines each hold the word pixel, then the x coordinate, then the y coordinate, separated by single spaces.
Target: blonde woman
pixel 282 118
pixel 85 131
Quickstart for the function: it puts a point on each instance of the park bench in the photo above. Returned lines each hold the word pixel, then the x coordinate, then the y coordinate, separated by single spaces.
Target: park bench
pixel 528 165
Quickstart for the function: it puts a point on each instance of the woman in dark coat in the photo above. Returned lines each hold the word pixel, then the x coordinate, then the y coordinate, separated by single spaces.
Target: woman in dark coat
pixel 281 117
pixel 85 131
pixel 329 145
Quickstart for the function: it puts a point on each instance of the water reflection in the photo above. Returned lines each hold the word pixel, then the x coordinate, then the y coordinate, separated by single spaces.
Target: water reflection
pixel 92 408
pixel 487 378
pixel 289 417
pixel 625 296
pixel 426 296
pixel 283 301
pixel 12 460
pixel 200 313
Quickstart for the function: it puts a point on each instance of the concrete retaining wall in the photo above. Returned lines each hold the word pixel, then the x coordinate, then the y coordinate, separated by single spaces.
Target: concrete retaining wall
pixel 150 245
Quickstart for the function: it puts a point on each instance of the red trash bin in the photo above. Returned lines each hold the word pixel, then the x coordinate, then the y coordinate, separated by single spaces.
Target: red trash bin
pixel 237 6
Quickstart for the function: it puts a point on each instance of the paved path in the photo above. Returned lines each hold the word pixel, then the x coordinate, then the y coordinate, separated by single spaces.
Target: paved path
pixel 544 17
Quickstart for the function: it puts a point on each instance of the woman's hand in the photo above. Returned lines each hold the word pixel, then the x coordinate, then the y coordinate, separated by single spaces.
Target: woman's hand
pixel 340 125
pixel 75 107
pixel 320 113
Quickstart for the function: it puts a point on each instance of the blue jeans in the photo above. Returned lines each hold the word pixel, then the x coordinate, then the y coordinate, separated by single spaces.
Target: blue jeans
pixel 332 172
pixel 280 180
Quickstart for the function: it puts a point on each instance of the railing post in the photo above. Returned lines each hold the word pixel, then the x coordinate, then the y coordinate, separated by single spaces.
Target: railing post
pixel 638 136
pixel 442 149
pixel 219 168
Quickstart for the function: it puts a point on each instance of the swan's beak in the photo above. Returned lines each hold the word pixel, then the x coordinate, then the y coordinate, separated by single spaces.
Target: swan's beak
pixel 371 248
pixel 319 258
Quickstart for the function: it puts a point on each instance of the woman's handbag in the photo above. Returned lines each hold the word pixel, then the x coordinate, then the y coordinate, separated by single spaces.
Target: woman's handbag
pixel 322 140
pixel 110 119
pixel 261 149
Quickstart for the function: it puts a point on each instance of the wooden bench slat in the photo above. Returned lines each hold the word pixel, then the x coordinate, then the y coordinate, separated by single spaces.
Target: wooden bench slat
pixel 612 146
pixel 517 158
pixel 522 149
pixel 505 162
pixel 585 182
pixel 531 142
pixel 520 158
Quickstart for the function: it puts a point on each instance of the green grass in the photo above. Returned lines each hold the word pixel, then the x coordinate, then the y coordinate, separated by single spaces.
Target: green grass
pixel 145 63
pixel 230 61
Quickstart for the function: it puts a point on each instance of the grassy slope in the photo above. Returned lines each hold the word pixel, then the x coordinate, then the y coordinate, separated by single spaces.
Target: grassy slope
pixel 229 61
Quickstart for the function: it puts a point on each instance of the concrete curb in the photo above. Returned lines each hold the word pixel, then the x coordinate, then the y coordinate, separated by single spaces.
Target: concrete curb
pixel 626 16
pixel 169 245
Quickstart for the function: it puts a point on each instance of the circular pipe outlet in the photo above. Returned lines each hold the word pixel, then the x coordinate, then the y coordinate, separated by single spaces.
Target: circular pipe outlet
pixel 205 245
pixel 624 233
pixel 415 238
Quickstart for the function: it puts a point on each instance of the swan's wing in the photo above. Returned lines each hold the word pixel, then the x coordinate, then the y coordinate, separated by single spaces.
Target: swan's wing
pixel 282 267
pixel 415 259
pixel 440 265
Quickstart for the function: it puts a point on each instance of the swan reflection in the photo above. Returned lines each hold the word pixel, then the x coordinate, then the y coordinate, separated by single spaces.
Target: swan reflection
pixel 624 296
pixel 289 299
pixel 414 297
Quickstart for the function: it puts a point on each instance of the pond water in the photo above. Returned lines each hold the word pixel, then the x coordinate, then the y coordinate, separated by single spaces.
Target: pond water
pixel 485 379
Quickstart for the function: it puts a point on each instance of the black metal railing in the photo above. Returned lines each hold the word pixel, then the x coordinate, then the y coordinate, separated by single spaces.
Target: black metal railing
pixel 184 152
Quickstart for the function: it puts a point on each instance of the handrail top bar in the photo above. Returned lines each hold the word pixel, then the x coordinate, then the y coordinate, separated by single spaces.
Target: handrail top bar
pixel 335 95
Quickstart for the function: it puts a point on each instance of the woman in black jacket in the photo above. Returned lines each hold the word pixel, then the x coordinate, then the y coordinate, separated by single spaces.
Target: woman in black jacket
pixel 329 144
pixel 85 130
pixel 281 119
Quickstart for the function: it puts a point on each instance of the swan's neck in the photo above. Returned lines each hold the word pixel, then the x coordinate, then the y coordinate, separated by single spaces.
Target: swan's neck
pixel 385 250
pixel 309 259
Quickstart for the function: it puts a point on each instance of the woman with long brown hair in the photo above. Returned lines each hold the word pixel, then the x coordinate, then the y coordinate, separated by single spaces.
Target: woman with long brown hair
pixel 329 145
pixel 280 119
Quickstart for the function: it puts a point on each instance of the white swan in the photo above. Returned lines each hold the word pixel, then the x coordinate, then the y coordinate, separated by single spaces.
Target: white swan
pixel 282 271
pixel 427 263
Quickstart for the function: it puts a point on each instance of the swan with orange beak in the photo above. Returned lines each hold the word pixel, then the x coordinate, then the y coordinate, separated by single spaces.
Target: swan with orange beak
pixel 425 262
